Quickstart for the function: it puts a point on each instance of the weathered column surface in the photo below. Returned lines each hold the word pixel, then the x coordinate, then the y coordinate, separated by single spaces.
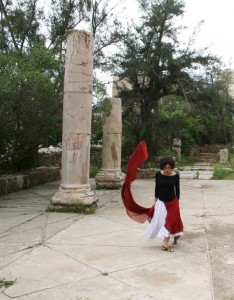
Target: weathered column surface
pixel 77 106
pixel 111 176
pixel 176 147
pixel 223 155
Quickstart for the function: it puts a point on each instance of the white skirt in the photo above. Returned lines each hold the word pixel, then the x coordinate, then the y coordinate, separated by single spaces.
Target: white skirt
pixel 156 227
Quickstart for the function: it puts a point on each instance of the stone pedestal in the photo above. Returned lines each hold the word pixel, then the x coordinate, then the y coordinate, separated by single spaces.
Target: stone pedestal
pixel 111 176
pixel 223 155
pixel 109 179
pixel 176 148
pixel 66 196
pixel 77 107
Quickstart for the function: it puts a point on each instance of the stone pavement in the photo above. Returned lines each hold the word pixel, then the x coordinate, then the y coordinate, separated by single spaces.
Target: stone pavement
pixel 103 256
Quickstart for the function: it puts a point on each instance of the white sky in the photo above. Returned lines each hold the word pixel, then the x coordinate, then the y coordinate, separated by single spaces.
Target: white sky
pixel 217 31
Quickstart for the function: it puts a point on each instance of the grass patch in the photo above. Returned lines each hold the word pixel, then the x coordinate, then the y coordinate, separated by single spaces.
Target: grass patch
pixel 231 161
pixel 223 171
pixel 105 273
pixel 6 283
pixel 229 176
pixel 73 208
pixel 220 172
pixel 203 215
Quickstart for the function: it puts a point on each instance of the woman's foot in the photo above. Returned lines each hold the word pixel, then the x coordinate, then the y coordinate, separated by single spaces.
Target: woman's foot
pixel 167 248
pixel 176 240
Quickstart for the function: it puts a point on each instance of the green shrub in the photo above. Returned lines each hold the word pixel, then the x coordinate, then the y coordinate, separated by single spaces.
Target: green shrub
pixel 221 171
pixel 187 142
pixel 231 161
pixel 165 152
pixel 93 171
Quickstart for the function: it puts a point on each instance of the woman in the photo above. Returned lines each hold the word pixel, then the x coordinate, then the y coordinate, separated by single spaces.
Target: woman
pixel 166 221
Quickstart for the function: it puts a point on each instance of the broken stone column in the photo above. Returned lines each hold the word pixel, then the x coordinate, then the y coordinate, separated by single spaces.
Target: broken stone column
pixel 111 176
pixel 77 107
pixel 176 148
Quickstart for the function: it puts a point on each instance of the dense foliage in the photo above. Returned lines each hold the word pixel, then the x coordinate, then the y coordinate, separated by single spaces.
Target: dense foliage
pixel 175 90
pixel 30 104
pixel 153 65
pixel 32 48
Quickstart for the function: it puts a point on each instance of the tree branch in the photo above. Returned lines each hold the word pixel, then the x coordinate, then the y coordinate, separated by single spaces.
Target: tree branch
pixel 9 24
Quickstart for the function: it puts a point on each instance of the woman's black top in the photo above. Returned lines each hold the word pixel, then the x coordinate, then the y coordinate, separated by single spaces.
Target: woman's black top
pixel 167 187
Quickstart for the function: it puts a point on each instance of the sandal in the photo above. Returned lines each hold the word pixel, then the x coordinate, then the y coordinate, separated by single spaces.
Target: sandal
pixel 175 240
pixel 168 249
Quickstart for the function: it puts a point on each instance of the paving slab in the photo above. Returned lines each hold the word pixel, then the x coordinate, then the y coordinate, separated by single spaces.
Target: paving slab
pixel 103 256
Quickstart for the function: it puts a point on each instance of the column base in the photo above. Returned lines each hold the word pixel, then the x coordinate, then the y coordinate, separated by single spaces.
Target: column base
pixel 68 196
pixel 109 179
pixel 177 151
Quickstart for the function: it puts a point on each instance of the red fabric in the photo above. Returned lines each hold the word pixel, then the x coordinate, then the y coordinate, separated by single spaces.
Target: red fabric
pixel 136 212
pixel 173 220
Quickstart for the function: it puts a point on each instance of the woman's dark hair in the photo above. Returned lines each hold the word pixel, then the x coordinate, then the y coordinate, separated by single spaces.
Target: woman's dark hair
pixel 167 161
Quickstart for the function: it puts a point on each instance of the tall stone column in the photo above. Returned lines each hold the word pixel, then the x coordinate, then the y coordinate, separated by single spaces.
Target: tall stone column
pixel 111 176
pixel 77 107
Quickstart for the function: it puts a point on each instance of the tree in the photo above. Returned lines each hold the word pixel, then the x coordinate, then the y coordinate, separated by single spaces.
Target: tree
pixel 20 25
pixel 97 15
pixel 29 107
pixel 155 65
pixel 64 15
pixel 106 28
pixel 100 111
pixel 214 105
pixel 32 48
pixel 24 23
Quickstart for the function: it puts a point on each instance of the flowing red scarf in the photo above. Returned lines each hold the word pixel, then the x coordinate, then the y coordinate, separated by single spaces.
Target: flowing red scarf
pixel 136 212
